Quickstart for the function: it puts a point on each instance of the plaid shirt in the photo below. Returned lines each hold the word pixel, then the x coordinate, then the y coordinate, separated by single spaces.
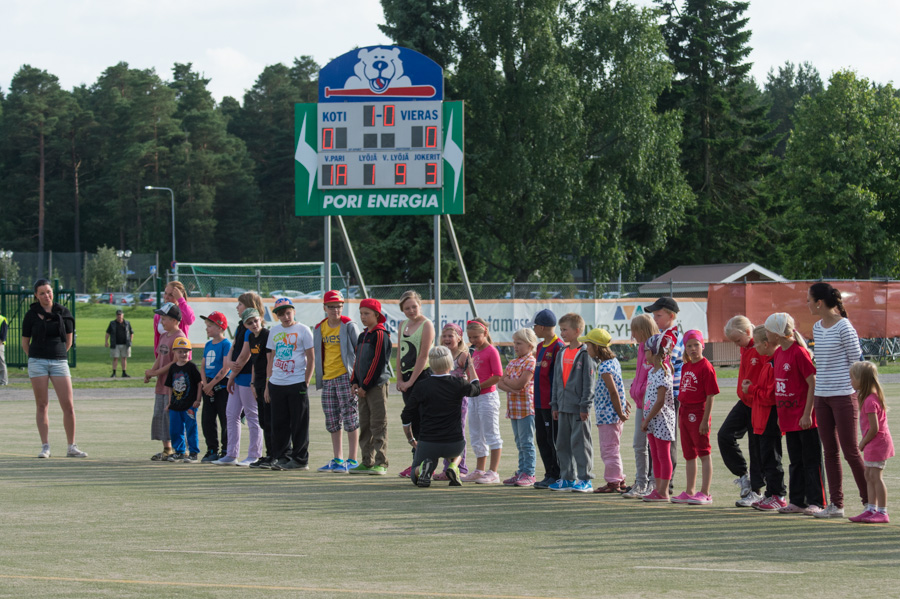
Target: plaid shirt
pixel 520 404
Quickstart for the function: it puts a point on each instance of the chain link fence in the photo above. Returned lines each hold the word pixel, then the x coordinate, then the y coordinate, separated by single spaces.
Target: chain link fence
pixel 513 290
pixel 69 269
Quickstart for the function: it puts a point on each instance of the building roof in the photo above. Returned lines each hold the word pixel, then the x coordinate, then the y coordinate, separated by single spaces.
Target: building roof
pixel 696 278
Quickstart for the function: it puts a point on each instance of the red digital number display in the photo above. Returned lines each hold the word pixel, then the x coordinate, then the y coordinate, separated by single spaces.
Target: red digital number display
pixel 368 174
pixel 388 115
pixel 431 173
pixel 430 137
pixel 341 174
pixel 400 174
pixel 328 139
pixel 368 116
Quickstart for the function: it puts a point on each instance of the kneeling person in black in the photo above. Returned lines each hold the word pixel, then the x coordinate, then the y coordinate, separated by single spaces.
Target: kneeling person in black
pixel 439 401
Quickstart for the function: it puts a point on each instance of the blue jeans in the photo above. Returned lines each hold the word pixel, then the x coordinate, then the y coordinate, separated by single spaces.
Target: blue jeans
pixel 181 423
pixel 523 431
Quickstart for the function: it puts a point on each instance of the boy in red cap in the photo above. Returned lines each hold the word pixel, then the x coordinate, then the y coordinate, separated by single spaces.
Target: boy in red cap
pixel 369 382
pixel 334 342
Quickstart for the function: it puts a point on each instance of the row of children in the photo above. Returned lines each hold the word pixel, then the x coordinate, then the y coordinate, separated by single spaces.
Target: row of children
pixel 548 408
pixel 778 390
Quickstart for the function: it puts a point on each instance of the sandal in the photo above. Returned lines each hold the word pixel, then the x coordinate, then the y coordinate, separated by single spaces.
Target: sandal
pixel 608 488
pixel 161 456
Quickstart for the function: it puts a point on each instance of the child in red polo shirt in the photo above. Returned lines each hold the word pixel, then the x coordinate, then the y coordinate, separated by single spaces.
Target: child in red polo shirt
pixel 795 381
pixel 698 388
pixel 739 331
pixel 764 418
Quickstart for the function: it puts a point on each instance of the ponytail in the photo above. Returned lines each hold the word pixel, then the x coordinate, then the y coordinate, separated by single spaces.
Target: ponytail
pixel 828 294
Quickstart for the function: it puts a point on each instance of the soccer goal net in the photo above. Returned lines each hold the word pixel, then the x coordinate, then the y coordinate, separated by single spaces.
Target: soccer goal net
pixel 290 279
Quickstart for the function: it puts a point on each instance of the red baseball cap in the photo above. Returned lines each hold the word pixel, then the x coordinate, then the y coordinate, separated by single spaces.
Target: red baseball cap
pixel 333 297
pixel 375 306
pixel 218 319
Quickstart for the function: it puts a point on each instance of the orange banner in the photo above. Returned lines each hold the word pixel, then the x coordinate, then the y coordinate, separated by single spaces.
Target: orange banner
pixel 873 306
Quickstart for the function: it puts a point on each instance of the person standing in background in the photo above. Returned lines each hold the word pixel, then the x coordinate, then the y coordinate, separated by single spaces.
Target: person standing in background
pixel 4 329
pixel 118 339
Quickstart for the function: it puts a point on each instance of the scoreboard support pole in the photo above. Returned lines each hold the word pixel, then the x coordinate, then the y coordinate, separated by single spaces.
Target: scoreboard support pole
pixel 353 263
pixel 451 233
pixel 437 275
pixel 326 280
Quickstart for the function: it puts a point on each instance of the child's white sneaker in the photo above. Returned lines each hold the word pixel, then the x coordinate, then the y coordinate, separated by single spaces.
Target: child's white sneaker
pixel 45 451
pixel 830 511
pixel 749 500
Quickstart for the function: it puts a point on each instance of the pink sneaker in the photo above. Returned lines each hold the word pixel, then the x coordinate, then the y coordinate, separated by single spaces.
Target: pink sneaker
pixel 472 476
pixel 406 473
pixel 791 509
pixel 863 517
pixel 654 497
pixel 812 510
pixel 877 518
pixel 512 480
pixel 683 498
pixel 700 498
pixel 525 480
pixel 489 478
pixel 440 476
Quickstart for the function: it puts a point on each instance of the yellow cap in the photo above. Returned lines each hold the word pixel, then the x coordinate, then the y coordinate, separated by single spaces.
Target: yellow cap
pixel 181 343
pixel 599 337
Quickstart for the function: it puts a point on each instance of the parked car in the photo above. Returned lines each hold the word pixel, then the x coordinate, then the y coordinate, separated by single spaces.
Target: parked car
pixel 291 293
pixel 83 298
pixel 119 299
pixel 147 298
pixel 232 292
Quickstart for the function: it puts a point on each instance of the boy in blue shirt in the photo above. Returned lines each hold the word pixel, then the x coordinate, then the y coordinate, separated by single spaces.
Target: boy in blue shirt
pixel 215 392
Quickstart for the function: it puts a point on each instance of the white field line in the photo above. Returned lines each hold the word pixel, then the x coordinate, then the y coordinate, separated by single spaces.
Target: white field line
pixel 717 570
pixel 226 553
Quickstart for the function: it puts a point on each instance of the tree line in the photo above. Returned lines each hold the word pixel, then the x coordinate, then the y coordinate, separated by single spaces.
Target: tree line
pixel 602 138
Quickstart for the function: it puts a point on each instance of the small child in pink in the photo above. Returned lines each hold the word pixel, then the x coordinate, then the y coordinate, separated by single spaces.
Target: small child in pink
pixel 659 416
pixel 876 444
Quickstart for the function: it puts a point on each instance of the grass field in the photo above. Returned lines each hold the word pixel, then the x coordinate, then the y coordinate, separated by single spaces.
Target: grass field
pixel 118 525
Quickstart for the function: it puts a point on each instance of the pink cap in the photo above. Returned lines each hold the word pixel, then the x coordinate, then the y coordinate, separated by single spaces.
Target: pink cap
pixel 693 334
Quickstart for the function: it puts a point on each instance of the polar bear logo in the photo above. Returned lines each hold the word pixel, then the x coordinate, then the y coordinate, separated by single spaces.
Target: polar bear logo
pixel 378 69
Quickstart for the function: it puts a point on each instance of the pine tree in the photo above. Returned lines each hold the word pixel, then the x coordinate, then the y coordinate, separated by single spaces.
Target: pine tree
pixel 724 148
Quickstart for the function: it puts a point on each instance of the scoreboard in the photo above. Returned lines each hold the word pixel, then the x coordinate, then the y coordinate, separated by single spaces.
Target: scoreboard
pixel 380 145
pixel 380 140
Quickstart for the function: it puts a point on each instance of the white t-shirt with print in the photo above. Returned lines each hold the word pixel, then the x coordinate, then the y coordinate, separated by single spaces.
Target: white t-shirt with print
pixel 288 346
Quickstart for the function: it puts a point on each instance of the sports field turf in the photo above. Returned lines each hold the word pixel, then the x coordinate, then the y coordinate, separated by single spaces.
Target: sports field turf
pixel 119 525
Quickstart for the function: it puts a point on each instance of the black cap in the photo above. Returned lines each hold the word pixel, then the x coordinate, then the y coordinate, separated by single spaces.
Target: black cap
pixel 169 309
pixel 119 311
pixel 664 302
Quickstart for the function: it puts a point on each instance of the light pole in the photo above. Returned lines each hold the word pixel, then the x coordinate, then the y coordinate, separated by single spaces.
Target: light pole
pixel 124 255
pixel 175 267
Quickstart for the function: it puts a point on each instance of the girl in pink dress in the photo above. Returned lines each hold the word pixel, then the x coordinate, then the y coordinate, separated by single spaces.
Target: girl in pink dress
pixel 876 444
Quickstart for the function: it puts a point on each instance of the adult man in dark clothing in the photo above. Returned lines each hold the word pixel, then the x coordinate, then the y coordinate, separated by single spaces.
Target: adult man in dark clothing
pixel 118 340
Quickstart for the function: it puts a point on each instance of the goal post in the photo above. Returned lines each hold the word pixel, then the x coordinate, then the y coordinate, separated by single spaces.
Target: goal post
pixel 229 280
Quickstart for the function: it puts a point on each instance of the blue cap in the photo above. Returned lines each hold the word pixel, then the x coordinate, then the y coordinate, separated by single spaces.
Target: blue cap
pixel 281 303
pixel 545 318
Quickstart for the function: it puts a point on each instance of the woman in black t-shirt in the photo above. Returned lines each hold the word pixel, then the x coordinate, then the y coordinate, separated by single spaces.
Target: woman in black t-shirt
pixel 47 332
